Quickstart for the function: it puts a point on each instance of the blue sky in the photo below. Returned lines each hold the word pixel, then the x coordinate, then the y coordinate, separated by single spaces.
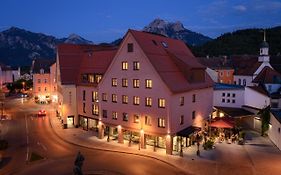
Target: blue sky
pixel 107 20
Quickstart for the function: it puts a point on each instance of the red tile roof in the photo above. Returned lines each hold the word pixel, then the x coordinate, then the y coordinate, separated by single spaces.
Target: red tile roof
pixel 77 59
pixel 268 76
pixel 173 61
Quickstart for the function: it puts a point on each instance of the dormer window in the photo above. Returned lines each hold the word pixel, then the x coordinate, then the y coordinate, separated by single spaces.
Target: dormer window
pixel 164 44
pixel 41 71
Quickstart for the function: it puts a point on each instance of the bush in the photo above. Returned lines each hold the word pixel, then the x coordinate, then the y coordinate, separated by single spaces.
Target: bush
pixel 208 144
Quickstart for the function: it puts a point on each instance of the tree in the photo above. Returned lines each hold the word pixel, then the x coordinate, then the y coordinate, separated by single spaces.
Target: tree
pixel 265 119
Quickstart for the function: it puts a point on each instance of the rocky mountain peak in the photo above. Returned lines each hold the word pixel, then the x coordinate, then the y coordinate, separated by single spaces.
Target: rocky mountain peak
pixel 76 39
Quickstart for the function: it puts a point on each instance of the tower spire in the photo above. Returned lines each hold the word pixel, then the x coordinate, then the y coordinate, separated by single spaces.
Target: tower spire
pixel 264 35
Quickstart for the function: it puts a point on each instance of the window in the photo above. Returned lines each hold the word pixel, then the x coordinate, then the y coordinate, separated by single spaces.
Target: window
pixel 124 82
pixel 136 118
pixel 84 107
pixel 181 119
pixel 223 100
pixel 278 130
pixel 45 89
pixel 45 81
pixel 114 115
pixel 161 103
pixel 228 94
pixel 223 94
pixel 95 109
pixel 114 82
pixel 244 82
pixel 233 95
pixel 148 84
pixel 193 115
pixel 193 98
pixel 148 101
pixel 39 80
pixel 95 97
pixel 136 83
pixel 147 120
pixel 124 65
pixel 161 122
pixel 164 44
pixel 114 98
pixel 104 113
pixel 98 78
pixel 136 100
pixel 221 74
pixel 181 101
pixel 41 71
pixel 39 89
pixel 104 97
pixel 91 78
pixel 130 47
pixel 228 100
pixel 84 95
pixel 125 116
pixel 239 81
pixel 233 101
pixel 125 99
pixel 136 65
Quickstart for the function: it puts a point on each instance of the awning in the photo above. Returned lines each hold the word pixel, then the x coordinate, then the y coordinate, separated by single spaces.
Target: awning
pixel 221 124
pixel 234 112
pixel 187 131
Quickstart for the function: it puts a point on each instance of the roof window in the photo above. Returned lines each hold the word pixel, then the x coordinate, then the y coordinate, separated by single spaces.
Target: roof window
pixel 164 44
pixel 154 42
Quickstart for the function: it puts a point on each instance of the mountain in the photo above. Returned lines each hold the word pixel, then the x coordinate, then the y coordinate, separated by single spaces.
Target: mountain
pixel 176 30
pixel 18 46
pixel 241 42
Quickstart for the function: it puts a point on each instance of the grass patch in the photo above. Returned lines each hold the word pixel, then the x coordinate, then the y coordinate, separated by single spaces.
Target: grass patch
pixel 35 157
pixel 3 144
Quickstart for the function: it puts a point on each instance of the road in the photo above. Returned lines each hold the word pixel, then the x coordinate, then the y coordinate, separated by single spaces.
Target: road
pixel 30 134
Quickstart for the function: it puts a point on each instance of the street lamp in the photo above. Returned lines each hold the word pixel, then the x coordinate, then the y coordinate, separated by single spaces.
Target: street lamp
pixel 23 83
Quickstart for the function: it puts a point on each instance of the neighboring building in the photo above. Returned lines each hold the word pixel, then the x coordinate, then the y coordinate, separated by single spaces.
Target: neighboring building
pixel 44 85
pixel 274 131
pixel 154 89
pixel 220 69
pixel 8 74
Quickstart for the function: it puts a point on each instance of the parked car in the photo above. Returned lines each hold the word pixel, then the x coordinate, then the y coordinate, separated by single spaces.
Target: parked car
pixel 42 112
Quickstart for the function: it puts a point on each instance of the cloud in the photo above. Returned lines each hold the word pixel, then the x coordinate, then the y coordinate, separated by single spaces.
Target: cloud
pixel 268 6
pixel 240 8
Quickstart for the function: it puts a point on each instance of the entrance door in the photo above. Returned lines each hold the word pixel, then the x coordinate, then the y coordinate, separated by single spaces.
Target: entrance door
pixel 70 121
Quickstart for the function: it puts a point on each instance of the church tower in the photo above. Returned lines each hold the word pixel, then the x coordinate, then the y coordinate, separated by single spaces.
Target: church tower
pixel 264 47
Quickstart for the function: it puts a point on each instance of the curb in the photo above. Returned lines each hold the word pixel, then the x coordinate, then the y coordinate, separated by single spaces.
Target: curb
pixel 114 151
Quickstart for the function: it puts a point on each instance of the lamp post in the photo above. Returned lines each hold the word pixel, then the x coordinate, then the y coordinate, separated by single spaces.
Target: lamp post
pixel 23 84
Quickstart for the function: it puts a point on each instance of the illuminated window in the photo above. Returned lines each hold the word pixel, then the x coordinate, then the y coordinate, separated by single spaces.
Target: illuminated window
pixel 84 95
pixel 114 82
pixel 104 113
pixel 181 119
pixel 125 99
pixel 124 65
pixel 193 115
pixel 181 101
pixel 136 100
pixel 91 78
pixel 95 109
pixel 148 84
pixel 147 120
pixel 104 97
pixel 148 101
pixel 161 103
pixel 114 98
pixel 125 116
pixel 194 98
pixel 84 107
pixel 136 118
pixel 136 83
pixel 161 122
pixel 124 82
pixel 98 78
pixel 136 65
pixel 130 47
pixel 95 97
pixel 114 115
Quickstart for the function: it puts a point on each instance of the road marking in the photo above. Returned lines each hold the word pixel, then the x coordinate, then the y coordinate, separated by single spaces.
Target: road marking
pixel 27 139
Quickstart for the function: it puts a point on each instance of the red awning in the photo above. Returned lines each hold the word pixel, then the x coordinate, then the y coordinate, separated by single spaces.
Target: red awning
pixel 221 124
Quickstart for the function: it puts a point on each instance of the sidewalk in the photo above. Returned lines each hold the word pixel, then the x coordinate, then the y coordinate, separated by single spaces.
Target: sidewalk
pixel 225 159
